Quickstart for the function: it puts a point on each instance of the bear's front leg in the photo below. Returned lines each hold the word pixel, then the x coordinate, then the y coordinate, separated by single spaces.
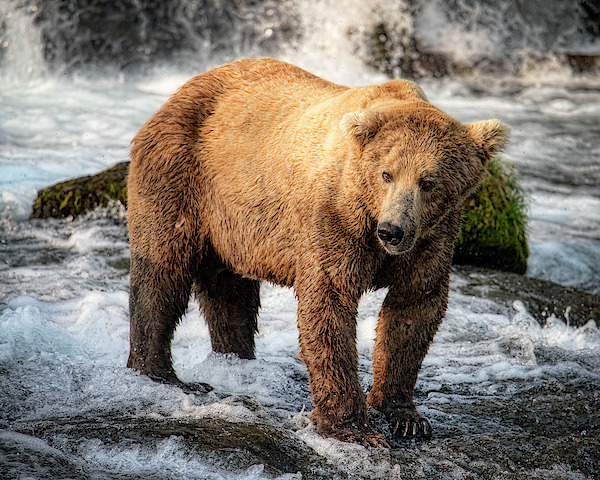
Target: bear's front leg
pixel 327 324
pixel 406 327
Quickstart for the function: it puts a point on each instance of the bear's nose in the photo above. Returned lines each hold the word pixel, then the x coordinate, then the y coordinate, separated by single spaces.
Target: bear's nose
pixel 389 233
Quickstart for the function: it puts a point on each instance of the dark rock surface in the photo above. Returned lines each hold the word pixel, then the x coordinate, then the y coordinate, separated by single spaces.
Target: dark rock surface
pixel 234 446
pixel 541 298
pixel 534 432
pixel 131 35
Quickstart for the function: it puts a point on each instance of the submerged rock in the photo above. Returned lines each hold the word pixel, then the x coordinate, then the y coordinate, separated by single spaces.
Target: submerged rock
pixel 130 35
pixel 542 434
pixel 407 40
pixel 237 447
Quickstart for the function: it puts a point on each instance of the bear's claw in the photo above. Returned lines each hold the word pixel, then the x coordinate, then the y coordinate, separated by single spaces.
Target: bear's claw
pixel 412 428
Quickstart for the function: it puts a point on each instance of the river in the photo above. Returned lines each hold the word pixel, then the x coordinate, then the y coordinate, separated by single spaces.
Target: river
pixel 506 396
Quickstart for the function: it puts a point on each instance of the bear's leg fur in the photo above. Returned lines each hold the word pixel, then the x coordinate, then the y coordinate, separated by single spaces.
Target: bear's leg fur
pixel 404 332
pixel 230 304
pixel 158 298
pixel 327 325
pixel 156 302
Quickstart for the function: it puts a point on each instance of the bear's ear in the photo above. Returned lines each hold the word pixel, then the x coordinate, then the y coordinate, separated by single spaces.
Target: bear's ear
pixel 490 136
pixel 361 125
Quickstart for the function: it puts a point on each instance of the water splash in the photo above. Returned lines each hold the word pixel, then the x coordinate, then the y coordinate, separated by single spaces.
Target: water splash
pixel 400 38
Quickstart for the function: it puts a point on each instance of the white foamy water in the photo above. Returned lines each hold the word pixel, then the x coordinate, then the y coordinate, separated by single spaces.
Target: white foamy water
pixel 64 328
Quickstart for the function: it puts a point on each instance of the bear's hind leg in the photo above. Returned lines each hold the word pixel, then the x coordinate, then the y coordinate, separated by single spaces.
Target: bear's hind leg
pixel 230 304
pixel 158 298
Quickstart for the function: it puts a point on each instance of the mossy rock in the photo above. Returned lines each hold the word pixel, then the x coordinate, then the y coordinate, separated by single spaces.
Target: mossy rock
pixel 80 195
pixel 492 236
pixel 494 231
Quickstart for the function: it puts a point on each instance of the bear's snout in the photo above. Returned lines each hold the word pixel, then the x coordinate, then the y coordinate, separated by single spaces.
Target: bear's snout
pixel 397 239
pixel 390 234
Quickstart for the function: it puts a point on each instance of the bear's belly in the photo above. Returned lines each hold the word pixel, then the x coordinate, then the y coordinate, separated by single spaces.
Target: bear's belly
pixel 260 240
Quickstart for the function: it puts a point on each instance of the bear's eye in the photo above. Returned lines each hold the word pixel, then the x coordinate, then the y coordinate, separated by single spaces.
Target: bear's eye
pixel 386 177
pixel 427 185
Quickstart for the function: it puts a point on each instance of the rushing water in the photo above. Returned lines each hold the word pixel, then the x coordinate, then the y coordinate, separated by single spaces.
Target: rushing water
pixel 507 398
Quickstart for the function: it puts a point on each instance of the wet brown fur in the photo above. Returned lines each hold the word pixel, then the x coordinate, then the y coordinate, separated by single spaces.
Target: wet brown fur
pixel 257 171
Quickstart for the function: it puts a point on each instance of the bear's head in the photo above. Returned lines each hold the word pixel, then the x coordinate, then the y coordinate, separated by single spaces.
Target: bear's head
pixel 418 164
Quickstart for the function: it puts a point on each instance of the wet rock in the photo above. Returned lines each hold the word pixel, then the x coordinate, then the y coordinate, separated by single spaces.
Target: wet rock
pixel 232 446
pixel 427 44
pixel 493 232
pixel 582 63
pixel 80 195
pixel 522 448
pixel 130 35
pixel 24 456
pixel 541 298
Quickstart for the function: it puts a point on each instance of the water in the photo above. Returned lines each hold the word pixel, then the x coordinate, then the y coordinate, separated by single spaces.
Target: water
pixel 507 398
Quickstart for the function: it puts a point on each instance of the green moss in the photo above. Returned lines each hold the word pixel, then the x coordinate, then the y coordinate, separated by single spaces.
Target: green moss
pixel 494 231
pixel 80 195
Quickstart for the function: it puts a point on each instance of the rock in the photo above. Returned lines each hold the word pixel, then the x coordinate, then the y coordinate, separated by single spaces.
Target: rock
pixel 539 430
pixel 233 446
pixel 130 35
pixel 80 195
pixel 407 41
pixel 584 63
pixel 541 298
pixel 494 231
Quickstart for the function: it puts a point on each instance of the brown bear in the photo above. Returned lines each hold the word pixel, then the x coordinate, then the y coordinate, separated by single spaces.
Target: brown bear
pixel 260 171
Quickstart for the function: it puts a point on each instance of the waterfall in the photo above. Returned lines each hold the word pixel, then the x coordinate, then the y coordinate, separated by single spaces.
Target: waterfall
pixel 409 38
